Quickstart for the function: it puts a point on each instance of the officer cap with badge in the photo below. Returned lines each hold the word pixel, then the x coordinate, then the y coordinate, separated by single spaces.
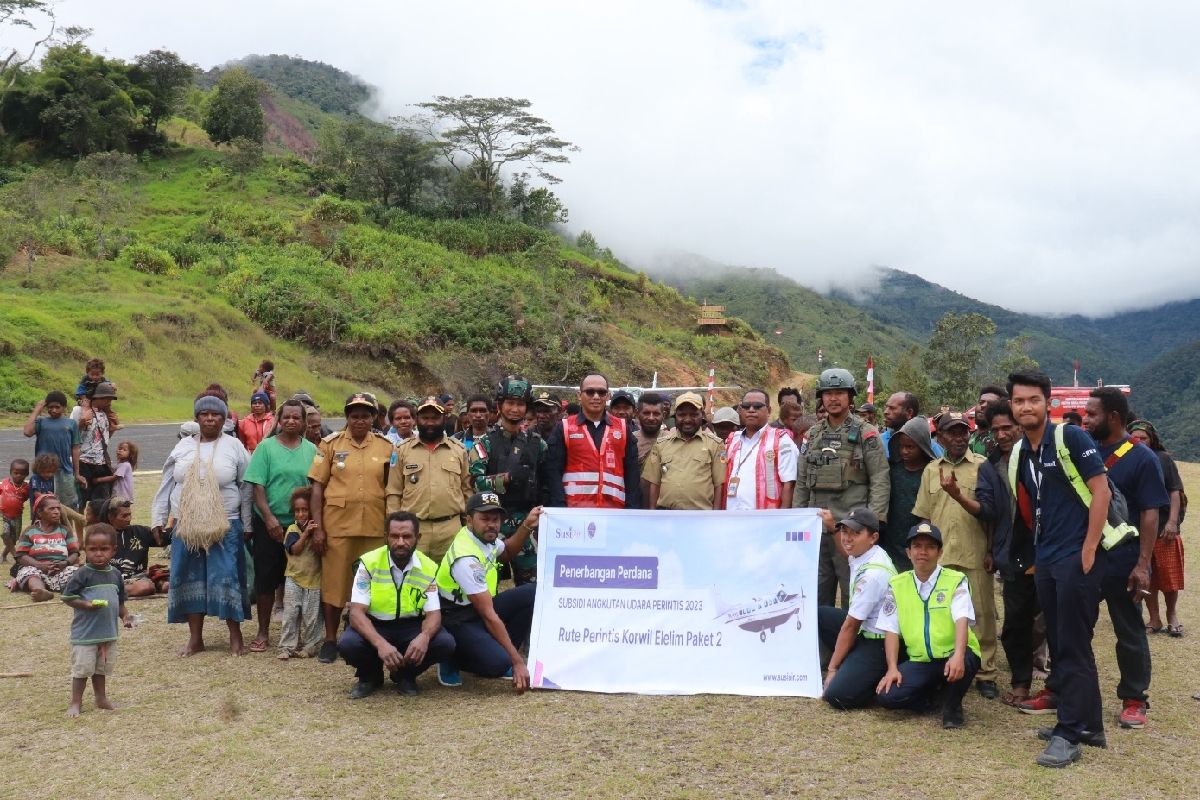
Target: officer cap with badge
pixel 431 402
pixel 361 400
pixel 924 529
pixel 548 400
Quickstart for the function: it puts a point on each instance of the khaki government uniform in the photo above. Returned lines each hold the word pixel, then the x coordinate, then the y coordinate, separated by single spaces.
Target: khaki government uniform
pixel 435 485
pixel 688 472
pixel 840 468
pixel 964 544
pixel 354 476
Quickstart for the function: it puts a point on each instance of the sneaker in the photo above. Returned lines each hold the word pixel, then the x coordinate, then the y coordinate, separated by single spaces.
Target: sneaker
pixel 1059 753
pixel 328 653
pixel 448 675
pixel 1044 702
pixel 1133 715
pixel 1090 738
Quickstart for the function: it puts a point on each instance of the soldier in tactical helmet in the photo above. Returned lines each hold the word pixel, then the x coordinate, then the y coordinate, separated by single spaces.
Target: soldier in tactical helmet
pixel 842 465
pixel 512 464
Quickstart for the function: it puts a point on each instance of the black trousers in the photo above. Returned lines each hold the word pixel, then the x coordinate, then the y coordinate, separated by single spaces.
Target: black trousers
pixel 361 654
pixel 923 678
pixel 853 686
pixel 1133 648
pixel 1070 601
pixel 476 651
pixel 1020 609
pixel 94 491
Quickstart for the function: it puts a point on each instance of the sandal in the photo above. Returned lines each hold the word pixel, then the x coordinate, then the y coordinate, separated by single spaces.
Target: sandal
pixel 1175 631
pixel 258 646
pixel 1011 698
pixel 1152 629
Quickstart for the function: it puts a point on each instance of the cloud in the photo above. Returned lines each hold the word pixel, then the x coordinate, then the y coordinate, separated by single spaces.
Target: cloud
pixel 1040 156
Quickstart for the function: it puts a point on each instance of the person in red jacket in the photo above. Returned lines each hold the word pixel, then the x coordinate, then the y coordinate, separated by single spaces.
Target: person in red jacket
pixel 592 456
pixel 253 429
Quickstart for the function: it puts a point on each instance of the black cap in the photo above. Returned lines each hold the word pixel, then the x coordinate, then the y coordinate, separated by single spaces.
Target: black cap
pixel 622 396
pixel 548 400
pixel 924 529
pixel 484 501
pixel 861 517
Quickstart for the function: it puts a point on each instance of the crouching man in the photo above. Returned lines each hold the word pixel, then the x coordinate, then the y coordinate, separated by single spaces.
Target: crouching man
pixel 395 612
pixel 930 608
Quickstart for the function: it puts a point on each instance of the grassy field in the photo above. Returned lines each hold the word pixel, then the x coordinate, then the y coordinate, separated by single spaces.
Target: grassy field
pixel 215 726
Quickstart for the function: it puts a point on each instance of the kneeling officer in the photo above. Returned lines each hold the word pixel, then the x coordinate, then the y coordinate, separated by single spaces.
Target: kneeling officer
pixel 930 607
pixel 395 616
pixel 488 628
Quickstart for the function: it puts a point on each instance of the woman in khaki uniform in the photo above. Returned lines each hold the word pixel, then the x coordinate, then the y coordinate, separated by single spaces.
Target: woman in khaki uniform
pixel 349 478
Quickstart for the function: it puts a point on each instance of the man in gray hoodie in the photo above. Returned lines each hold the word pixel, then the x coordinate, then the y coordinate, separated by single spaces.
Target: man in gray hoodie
pixel 912 448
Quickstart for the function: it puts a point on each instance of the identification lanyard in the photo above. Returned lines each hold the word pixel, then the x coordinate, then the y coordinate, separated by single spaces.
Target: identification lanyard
pixel 737 469
pixel 1035 473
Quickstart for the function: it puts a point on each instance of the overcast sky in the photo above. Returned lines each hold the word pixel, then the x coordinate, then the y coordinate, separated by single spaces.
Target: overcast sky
pixel 1042 156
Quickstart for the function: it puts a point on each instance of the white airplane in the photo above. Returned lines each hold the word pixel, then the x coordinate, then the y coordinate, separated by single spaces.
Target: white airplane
pixel 764 615
pixel 637 391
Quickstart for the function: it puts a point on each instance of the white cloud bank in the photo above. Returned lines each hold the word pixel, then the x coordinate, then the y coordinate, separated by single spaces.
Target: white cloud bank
pixel 1040 156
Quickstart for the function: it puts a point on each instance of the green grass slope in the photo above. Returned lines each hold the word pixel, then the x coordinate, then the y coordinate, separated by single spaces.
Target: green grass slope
pixel 217 271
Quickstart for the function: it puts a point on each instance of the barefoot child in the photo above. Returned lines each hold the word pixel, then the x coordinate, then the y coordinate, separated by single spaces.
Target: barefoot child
pixel 14 491
pixel 121 480
pixel 97 594
pixel 302 631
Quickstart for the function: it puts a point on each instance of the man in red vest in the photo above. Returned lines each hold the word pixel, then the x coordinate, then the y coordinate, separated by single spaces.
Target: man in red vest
pixel 592 456
pixel 760 460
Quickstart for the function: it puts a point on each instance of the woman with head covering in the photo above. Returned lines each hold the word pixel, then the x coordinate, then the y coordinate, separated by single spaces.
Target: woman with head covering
pixel 1166 567
pixel 204 493
pixel 253 429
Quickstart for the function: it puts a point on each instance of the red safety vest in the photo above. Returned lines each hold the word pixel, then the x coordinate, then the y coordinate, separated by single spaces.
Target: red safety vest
pixel 595 478
pixel 768 487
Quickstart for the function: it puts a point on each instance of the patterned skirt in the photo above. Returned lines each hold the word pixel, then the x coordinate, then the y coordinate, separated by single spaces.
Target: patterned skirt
pixel 1166 572
pixel 211 582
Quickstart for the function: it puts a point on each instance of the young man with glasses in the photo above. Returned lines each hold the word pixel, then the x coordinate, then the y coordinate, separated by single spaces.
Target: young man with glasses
pixel 593 456
pixel 760 461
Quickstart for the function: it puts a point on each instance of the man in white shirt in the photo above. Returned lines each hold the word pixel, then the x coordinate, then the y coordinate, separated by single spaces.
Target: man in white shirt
pixel 930 608
pixel 760 468
pixel 395 612
pixel 488 626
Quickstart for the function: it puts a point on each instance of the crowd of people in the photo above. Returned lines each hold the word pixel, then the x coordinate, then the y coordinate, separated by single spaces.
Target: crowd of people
pixel 386 542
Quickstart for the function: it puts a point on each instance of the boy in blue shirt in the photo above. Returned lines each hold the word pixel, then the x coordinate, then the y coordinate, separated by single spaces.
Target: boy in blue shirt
pixel 97 593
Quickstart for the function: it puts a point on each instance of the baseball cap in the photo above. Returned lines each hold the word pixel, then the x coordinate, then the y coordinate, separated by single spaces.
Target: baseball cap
pixel 622 396
pixel 360 400
pixel 861 517
pixel 431 402
pixel 924 529
pixel 546 399
pixel 865 407
pixel 444 398
pixel 484 501
pixel 950 419
pixel 688 399
pixel 104 390
pixel 726 414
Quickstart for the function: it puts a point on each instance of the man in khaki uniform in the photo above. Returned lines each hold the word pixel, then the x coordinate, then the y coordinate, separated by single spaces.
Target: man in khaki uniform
pixel 686 468
pixel 348 476
pixel 432 479
pixel 947 499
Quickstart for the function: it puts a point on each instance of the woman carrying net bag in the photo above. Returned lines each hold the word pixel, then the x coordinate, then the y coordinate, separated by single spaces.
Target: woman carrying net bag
pixel 203 491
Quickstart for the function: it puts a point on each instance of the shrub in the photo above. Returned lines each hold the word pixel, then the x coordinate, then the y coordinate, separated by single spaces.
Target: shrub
pixel 146 258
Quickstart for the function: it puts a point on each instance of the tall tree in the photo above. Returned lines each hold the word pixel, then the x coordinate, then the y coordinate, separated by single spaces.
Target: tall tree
pixel 480 136
pixel 367 161
pixel 955 356
pixel 233 110
pixel 910 377
pixel 79 102
pixel 164 76
pixel 538 207
pixel 23 14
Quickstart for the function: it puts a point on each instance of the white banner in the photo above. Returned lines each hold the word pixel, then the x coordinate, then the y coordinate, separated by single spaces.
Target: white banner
pixel 677 602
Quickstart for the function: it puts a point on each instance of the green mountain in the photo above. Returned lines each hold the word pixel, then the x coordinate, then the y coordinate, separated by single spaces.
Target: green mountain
pixel 1166 393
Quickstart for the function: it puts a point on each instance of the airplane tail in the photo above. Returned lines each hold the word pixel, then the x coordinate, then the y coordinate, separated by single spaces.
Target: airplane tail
pixel 720 607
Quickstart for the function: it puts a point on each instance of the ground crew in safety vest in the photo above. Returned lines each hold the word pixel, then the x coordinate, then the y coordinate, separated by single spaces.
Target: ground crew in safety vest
pixel 593 456
pixel 930 608
pixel 842 465
pixel 395 616
pixel 488 628
pixel 760 461
pixel 432 478
pixel 857 662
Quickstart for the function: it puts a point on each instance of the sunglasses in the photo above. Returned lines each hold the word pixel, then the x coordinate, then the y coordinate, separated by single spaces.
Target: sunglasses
pixel 595 392
pixel 752 406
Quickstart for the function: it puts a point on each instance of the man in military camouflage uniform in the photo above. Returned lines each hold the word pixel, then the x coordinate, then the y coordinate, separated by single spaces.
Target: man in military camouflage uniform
pixel 512 463
pixel 842 465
